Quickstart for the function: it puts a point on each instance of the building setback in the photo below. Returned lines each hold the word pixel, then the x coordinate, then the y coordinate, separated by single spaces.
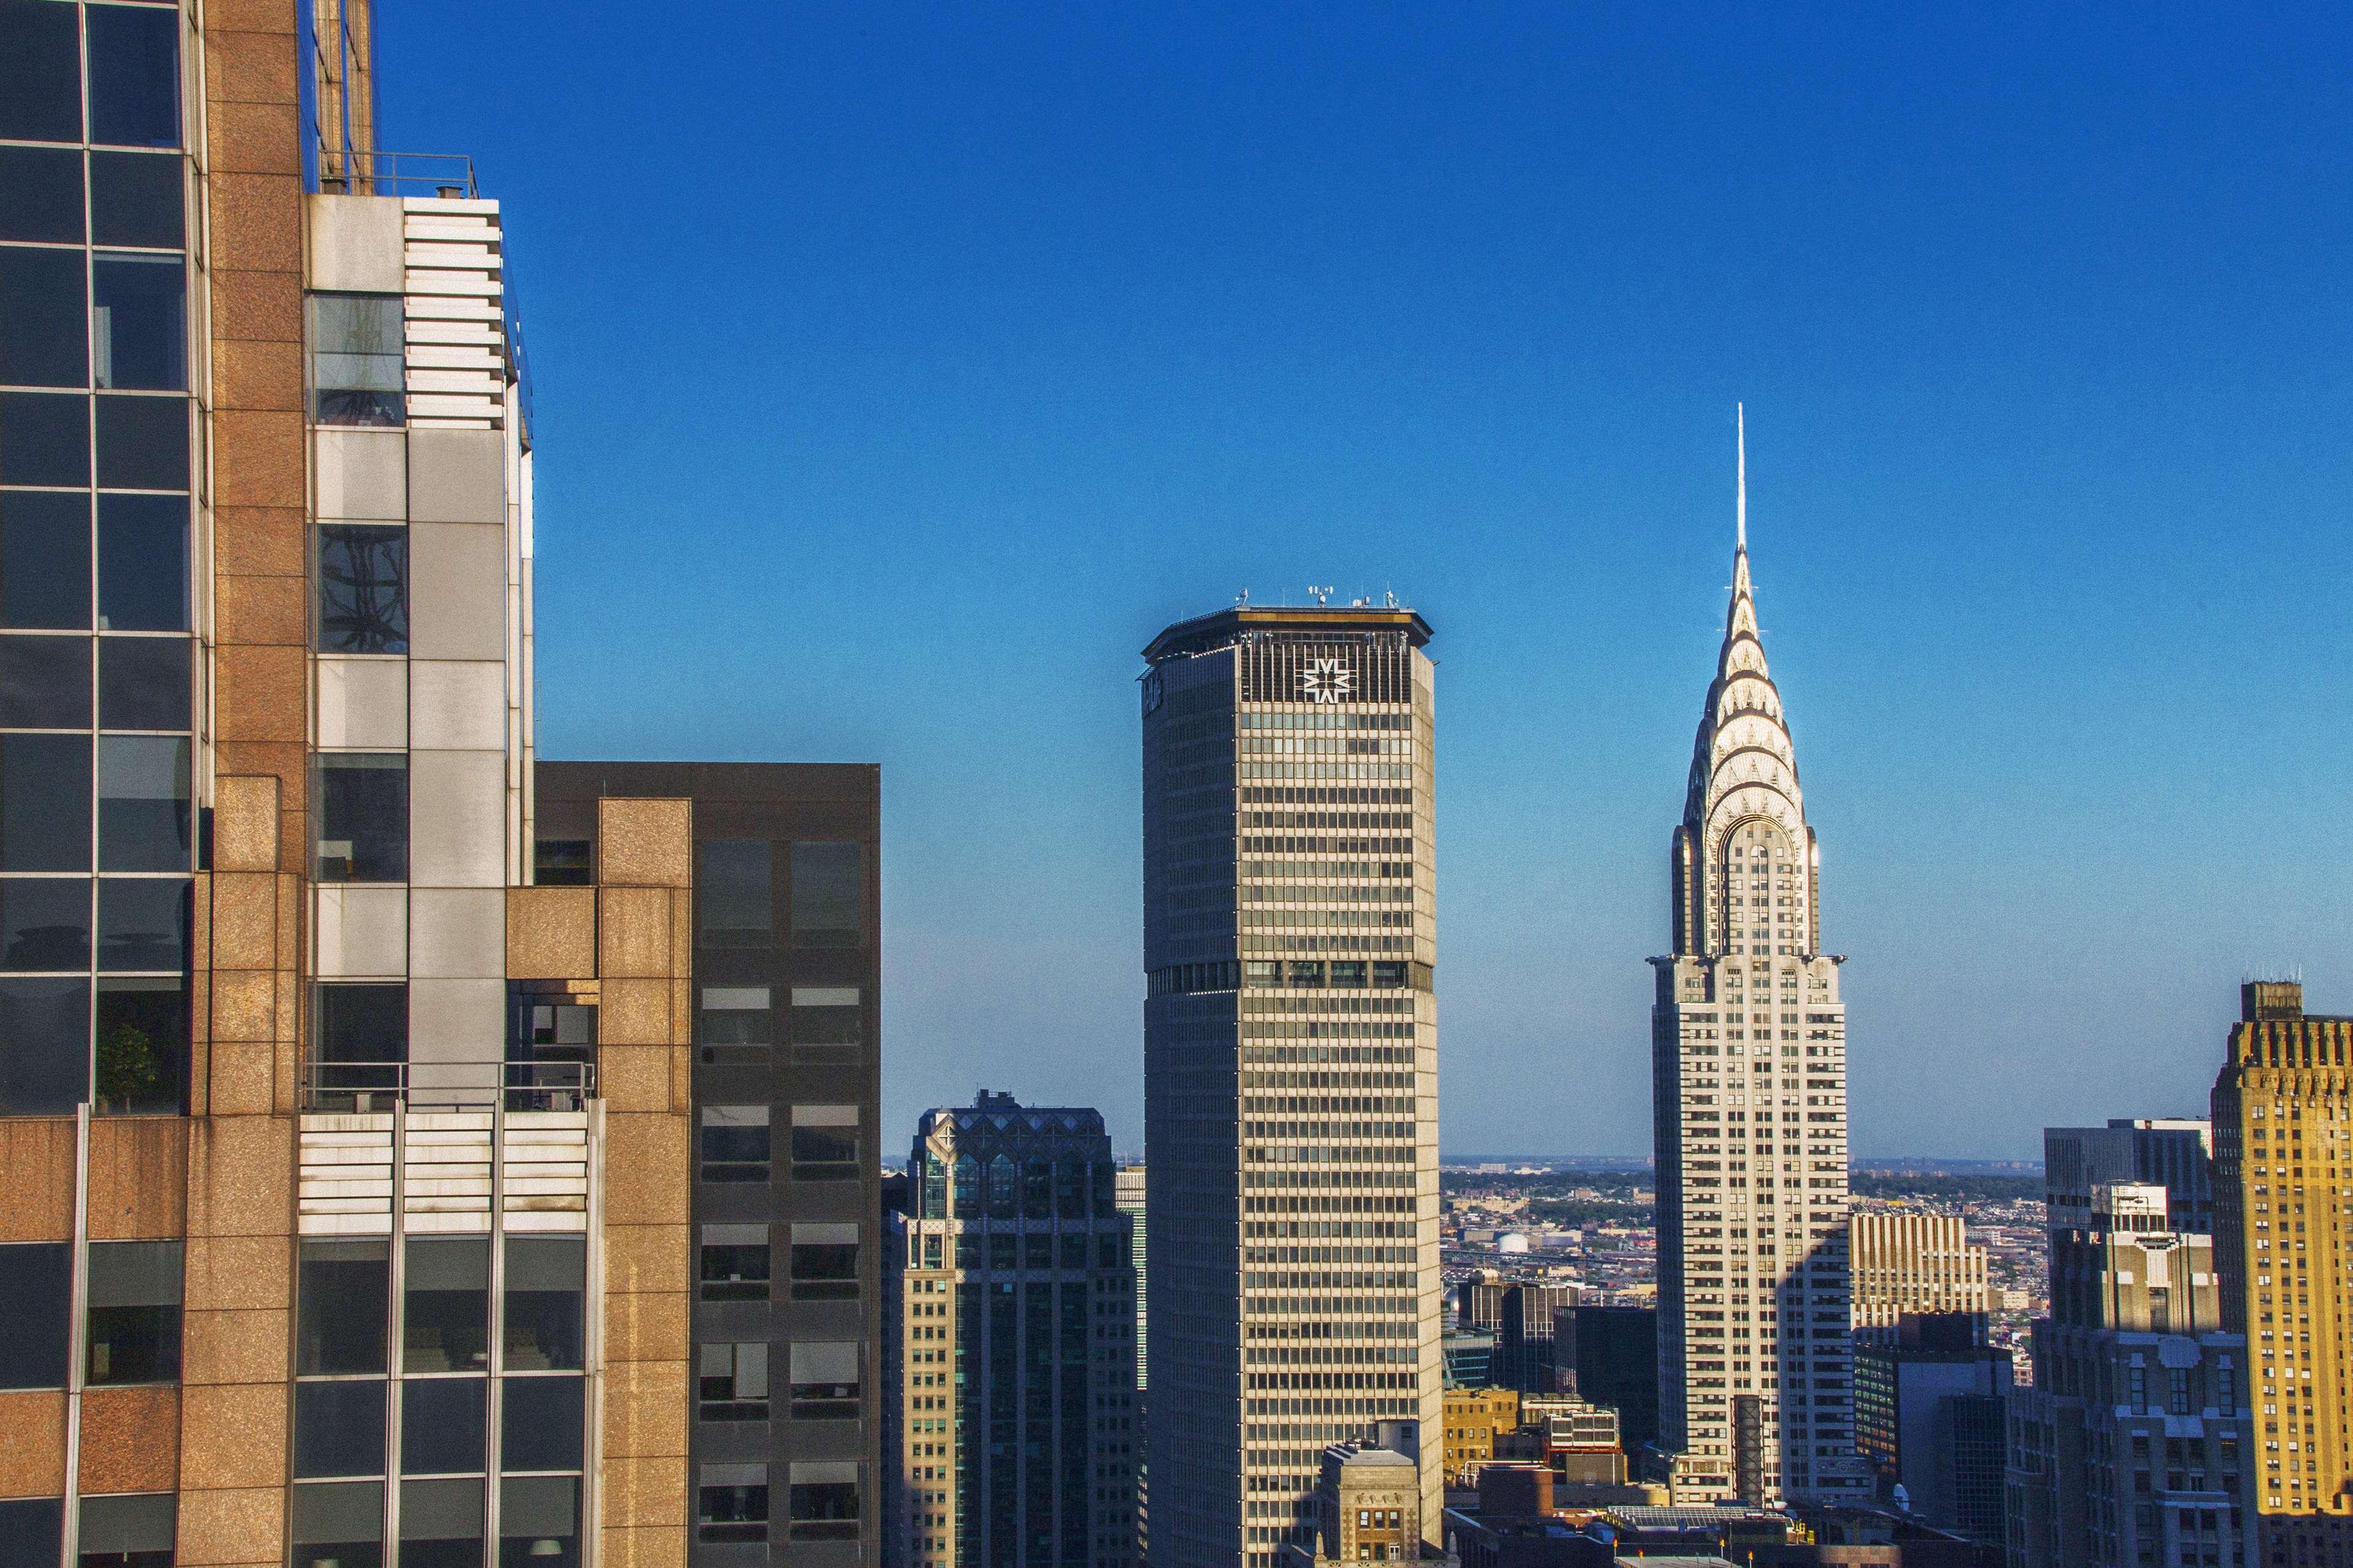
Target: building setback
pixel 785 1203
pixel 2282 1156
pixel 2172 1153
pixel 343 1166
pixel 1010 1429
pixel 1291 1065
pixel 1748 1092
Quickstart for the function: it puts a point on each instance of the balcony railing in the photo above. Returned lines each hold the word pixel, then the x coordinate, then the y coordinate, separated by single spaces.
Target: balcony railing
pixel 361 171
pixel 367 1087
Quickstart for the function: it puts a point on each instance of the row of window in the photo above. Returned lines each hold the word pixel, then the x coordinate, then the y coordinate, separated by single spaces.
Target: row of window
pixel 111 320
pixel 1003 1252
pixel 133 58
pixel 50 439
pixel 1038 1187
pixel 736 1262
pixel 732 1502
pixel 123 567
pixel 737 1146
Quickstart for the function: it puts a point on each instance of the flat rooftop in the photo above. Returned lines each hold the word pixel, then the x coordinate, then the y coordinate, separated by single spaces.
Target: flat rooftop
pixel 1221 627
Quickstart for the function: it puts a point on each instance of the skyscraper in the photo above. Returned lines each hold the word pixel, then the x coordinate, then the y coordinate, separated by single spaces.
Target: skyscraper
pixel 1010 1434
pixel 1750 1101
pixel 2172 1153
pixel 1911 1263
pixel 1291 1065
pixel 2282 1160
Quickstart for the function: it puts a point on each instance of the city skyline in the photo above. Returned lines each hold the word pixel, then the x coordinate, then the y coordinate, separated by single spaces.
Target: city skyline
pixel 1138 313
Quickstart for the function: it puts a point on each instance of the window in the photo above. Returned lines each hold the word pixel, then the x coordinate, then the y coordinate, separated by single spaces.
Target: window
pixel 45 802
pixel 824 1143
pixel 734 1142
pixel 32 1529
pixel 44 321
pixel 142 443
pixel 139 329
pixel 824 1380
pixel 44 560
pixel 732 1383
pixel 142 923
pixel 828 894
pixel 134 1312
pixel 362 816
pixel 137 198
pixel 731 897
pixel 143 684
pixel 827 1025
pixel 342 1305
pixel 142 803
pixel 445 1423
pixel 142 562
pixel 134 77
pixel 731 1503
pixel 36 1281
pixel 1347 975
pixel 543 1423
pixel 445 1309
pixel 824 1500
pixel 363 589
pixel 546 1282
pixel 1388 973
pixel 1304 971
pixel 44 438
pixel 40 89
pixel 539 1521
pixel 440 1524
pixel 338 1429
pixel 44 1051
pixel 825 1262
pixel 143 1046
pixel 338 1526
pixel 357 349
pixel 44 923
pixel 735 1263
pixel 43 187
pixel 561 862
pixel 128 1530
pixel 735 1025
pixel 45 683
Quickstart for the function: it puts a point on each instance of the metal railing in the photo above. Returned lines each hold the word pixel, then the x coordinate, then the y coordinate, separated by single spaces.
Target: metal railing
pixel 359 171
pixel 366 1087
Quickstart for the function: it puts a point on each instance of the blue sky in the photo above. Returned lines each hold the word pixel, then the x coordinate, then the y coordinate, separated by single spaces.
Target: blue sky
pixel 901 370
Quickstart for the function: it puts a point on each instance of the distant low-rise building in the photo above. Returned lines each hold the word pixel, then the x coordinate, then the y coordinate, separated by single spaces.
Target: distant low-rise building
pixel 1367 1508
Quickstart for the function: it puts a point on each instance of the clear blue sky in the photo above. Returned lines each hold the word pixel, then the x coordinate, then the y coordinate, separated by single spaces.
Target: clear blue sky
pixel 901 370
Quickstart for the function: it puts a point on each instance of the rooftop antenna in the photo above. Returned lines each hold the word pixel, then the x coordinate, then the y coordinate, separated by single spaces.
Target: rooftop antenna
pixel 1740 424
pixel 1323 595
pixel 1390 597
pixel 1242 597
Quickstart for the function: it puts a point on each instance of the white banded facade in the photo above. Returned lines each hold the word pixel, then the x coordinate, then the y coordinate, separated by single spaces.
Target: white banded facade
pixel 1756 1368
pixel 1291 1064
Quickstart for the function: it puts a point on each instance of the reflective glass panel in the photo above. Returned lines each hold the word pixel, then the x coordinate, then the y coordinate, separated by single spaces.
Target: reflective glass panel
pixel 44 803
pixel 44 326
pixel 138 326
pixel 142 807
pixel 44 922
pixel 143 1046
pixel 143 563
pixel 44 438
pixel 136 198
pixel 44 560
pixel 40 194
pixel 134 76
pixel 45 683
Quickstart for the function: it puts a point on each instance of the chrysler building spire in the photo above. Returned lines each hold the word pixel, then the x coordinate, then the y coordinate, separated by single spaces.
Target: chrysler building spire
pixel 1748 1086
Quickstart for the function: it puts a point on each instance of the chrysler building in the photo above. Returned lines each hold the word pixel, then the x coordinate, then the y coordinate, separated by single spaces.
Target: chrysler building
pixel 1748 1066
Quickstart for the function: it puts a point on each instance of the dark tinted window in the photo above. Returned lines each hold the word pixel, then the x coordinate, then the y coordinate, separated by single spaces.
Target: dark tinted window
pixel 35 1331
pixel 338 1429
pixel 362 1023
pixel 441 1524
pixel 363 817
pixel 735 1143
pixel 135 198
pixel 735 1263
pixel 43 440
pixel 44 1047
pixel 134 77
pixel 357 359
pixel 142 1046
pixel 444 1425
pixel 546 1280
pixel 143 683
pixel 564 862
pixel 446 1314
pixel 136 1531
pixel 342 1305
pixel 32 1529
pixel 139 322
pixel 41 77
pixel 44 803
pixel 142 923
pixel 44 319
pixel 45 683
pixel 338 1526
pixel 142 443
pixel 143 563
pixel 142 803
pixel 828 894
pixel 40 191
pixel 732 898
pixel 542 1426
pixel 44 560
pixel 134 1312
pixel 824 1500
pixel 363 589
pixel 44 922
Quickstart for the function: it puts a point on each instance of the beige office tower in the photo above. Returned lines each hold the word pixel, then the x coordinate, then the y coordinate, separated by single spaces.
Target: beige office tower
pixel 1290 1067
pixel 1911 1263
pixel 1748 1077
pixel 342 1176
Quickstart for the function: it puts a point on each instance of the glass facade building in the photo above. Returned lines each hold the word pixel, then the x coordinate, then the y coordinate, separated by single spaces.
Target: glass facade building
pixel 1291 1065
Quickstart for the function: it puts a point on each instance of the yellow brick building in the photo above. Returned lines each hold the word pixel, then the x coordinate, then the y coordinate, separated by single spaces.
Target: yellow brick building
pixel 2282 1160
pixel 1473 1416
